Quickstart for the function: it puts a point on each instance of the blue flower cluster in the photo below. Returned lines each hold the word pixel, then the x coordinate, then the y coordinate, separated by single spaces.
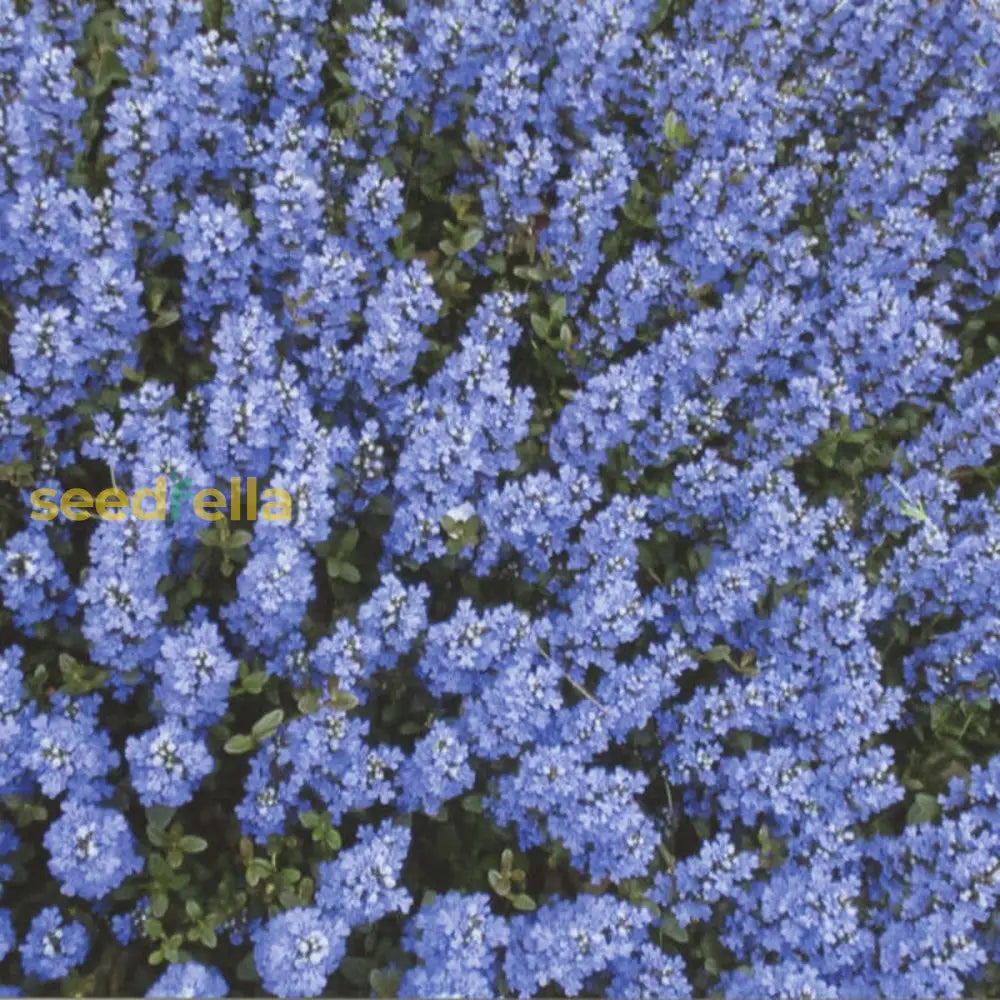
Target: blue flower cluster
pixel 633 370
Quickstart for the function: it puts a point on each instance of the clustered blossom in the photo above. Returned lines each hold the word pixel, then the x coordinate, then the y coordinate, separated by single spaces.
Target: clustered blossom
pixel 457 940
pixel 632 368
pixel 167 764
pixel 189 979
pixel 363 884
pixel 52 947
pixel 92 850
pixel 297 950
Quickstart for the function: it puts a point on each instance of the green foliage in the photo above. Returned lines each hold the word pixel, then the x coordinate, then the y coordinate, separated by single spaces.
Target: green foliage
pixel 506 880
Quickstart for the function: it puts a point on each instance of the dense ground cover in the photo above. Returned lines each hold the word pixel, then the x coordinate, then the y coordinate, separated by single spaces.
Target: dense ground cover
pixel 632 372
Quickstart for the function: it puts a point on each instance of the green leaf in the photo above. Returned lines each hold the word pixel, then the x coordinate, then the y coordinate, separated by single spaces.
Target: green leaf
pixel 254 683
pixel 171 948
pixel 500 884
pixel 156 836
pixel 305 893
pixel 192 845
pixel 159 868
pixel 267 724
pixel 338 569
pixel 68 665
pixel 384 983
pixel 343 700
pixel 240 743
pixel 411 220
pixel 471 238
pixel 673 929
pixel 109 72
pixel 165 318
pixel 160 816
pixel 307 702
pixel 675 131
pixel 246 971
pixel 356 970
pixel 210 537
pixel 522 901
pixel 258 870
pixel 925 809
pixel 532 273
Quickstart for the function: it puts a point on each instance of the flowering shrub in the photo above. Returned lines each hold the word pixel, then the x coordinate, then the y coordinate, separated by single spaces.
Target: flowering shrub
pixel 633 370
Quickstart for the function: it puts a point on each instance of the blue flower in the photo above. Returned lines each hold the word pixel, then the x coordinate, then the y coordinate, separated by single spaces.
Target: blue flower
pixel 167 763
pixel 52 947
pixel 8 939
pixel 298 950
pixel 457 940
pixel 195 671
pixel 189 979
pixel 92 850
pixel 363 883
pixel 68 751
